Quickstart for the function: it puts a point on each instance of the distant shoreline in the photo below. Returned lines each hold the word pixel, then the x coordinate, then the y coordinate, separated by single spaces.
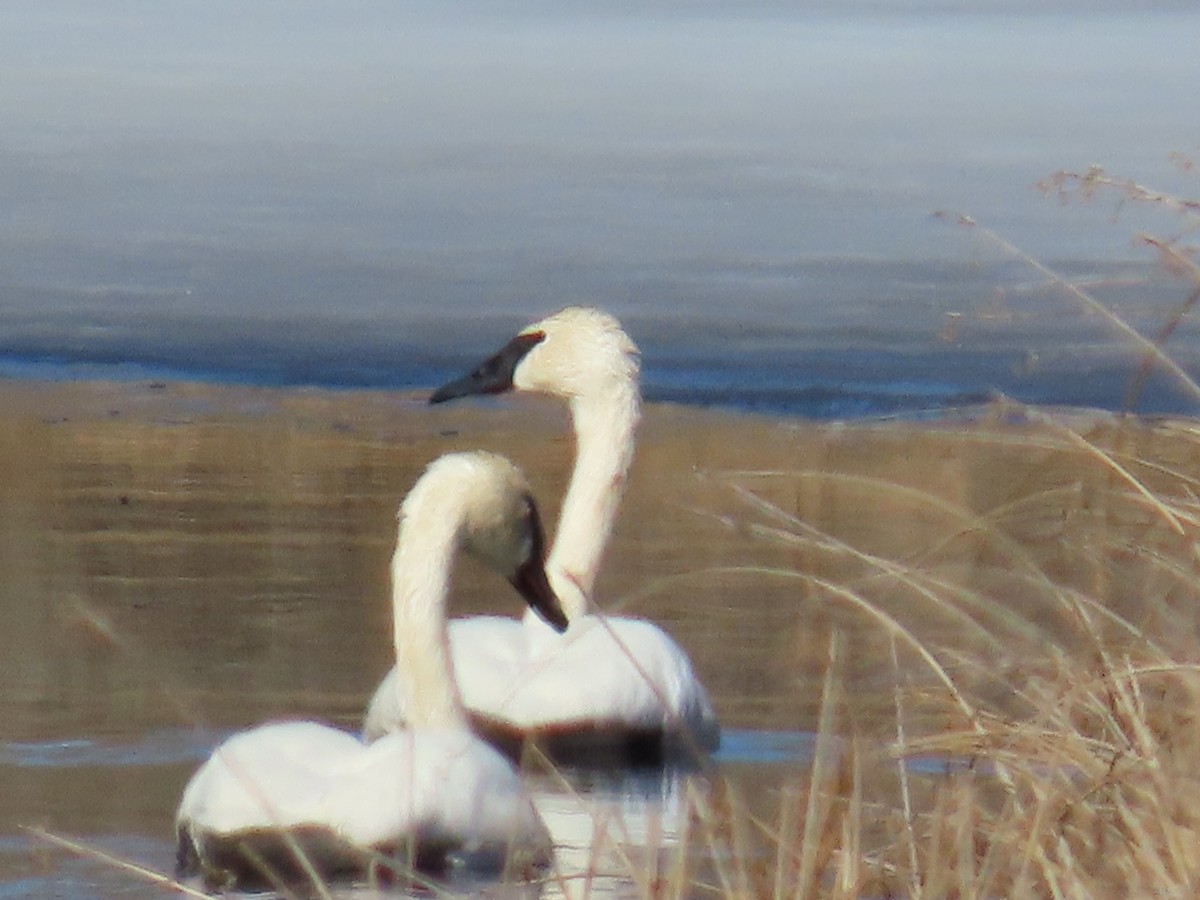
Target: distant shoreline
pixel 404 414
pixel 814 387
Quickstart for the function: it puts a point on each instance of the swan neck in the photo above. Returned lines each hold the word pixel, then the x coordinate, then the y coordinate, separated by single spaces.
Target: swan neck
pixel 420 585
pixel 604 434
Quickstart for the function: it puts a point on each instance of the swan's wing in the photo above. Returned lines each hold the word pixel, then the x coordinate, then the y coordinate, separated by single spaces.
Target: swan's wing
pixel 615 671
pixel 446 789
pixel 486 652
pixel 277 775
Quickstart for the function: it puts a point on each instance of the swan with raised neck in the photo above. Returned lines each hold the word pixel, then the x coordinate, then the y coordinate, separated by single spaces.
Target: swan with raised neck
pixel 432 787
pixel 479 502
pixel 612 689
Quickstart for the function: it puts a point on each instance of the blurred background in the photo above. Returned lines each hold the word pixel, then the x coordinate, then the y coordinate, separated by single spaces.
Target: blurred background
pixel 372 193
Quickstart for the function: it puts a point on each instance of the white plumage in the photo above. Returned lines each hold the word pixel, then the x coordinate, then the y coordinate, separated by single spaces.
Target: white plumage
pixel 610 687
pixel 432 788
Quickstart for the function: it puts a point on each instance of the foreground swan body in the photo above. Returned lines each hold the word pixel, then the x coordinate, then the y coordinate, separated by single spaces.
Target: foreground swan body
pixel 432 793
pixel 610 688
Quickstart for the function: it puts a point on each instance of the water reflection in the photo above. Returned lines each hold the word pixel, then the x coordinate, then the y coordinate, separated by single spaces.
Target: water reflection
pixel 766 747
pixel 615 833
pixel 168 746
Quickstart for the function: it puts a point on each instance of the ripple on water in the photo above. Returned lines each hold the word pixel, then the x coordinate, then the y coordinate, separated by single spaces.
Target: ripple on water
pixel 61 873
pixel 766 747
pixel 164 747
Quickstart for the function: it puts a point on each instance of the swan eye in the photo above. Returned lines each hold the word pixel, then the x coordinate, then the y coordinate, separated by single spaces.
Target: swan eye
pixel 496 374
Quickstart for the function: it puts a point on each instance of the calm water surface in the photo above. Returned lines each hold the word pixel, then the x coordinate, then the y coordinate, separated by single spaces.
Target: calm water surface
pixel 181 561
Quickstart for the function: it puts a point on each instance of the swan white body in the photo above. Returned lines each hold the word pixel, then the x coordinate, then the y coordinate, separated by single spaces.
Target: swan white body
pixel 432 788
pixel 609 685
pixel 442 789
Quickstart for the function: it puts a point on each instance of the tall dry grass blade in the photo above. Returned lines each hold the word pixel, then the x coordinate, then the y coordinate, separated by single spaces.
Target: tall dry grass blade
pixel 1138 381
pixel 964 853
pixel 785 839
pixel 1120 325
pixel 1133 708
pixel 1175 261
pixel 533 754
pixel 930 587
pixel 838 592
pixel 808 878
pixel 1150 863
pixel 1088 184
pixel 849 873
pixel 698 755
pixel 933 876
pixel 909 831
pixel 898 630
pixel 967 520
pixel 131 648
pixel 298 853
pixel 1108 460
pixel 923 584
pixel 676 880
pixel 714 813
pixel 1035 855
pixel 267 873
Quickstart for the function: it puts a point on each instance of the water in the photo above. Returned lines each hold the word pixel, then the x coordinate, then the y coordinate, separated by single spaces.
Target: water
pixel 372 194
pixel 181 561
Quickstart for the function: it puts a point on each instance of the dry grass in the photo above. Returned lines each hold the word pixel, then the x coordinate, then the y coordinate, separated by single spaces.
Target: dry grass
pixel 1066 715
pixel 1044 762
pixel 1094 794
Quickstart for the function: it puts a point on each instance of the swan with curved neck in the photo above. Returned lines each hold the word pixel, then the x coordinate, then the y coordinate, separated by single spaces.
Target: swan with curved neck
pixel 269 794
pixel 610 686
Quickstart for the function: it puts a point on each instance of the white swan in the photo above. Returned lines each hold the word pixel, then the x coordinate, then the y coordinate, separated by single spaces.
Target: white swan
pixel 611 688
pixel 432 788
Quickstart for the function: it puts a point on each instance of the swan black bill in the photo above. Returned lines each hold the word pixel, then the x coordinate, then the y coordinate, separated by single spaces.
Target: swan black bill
pixel 495 374
pixel 530 578
pixel 531 583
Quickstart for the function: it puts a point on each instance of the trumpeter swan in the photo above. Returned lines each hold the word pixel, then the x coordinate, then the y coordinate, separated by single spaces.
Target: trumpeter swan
pixel 610 688
pixel 431 787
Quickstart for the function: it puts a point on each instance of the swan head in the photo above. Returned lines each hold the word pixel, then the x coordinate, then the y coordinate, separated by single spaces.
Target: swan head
pixel 497 521
pixel 578 352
